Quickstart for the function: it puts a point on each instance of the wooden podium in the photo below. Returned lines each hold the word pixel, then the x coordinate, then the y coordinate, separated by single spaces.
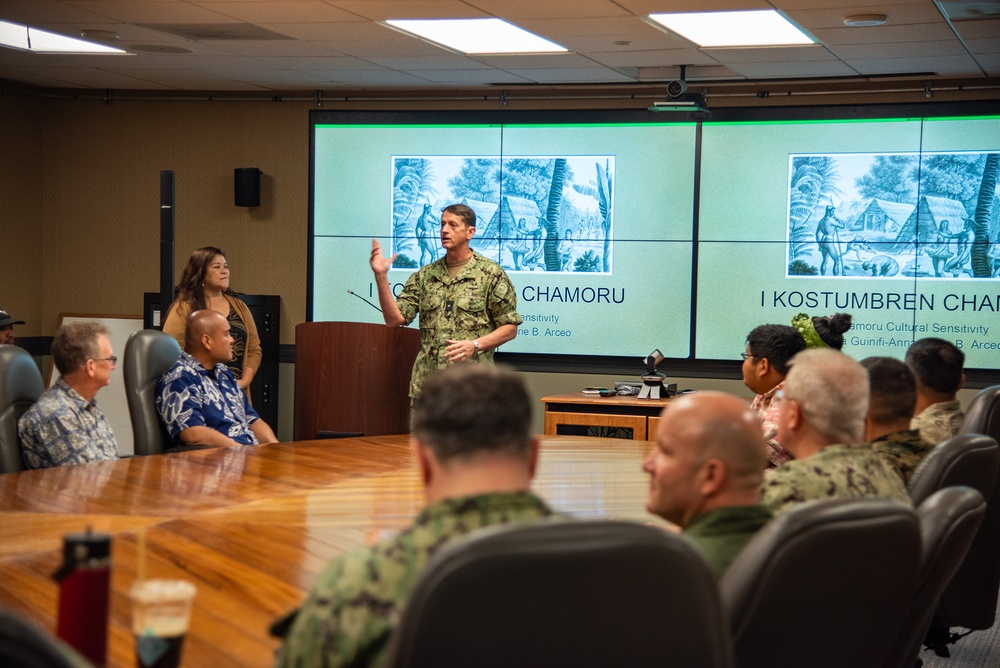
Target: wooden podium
pixel 353 377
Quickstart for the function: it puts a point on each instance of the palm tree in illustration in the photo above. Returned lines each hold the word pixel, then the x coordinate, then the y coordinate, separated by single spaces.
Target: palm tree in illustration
pixel 552 216
pixel 981 221
pixel 411 181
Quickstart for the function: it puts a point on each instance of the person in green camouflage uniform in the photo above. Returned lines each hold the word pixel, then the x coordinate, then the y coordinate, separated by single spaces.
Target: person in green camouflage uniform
pixel 466 302
pixel 823 411
pixel 890 409
pixel 938 366
pixel 473 443
pixel 836 471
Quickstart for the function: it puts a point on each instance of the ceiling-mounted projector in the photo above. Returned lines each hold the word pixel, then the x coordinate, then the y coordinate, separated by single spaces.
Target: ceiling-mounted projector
pixel 691 102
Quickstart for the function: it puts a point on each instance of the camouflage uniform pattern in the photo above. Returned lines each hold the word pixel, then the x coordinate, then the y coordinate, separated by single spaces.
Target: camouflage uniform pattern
pixel 482 298
pixel 357 601
pixel 835 472
pixel 767 406
pixel 904 450
pixel 939 422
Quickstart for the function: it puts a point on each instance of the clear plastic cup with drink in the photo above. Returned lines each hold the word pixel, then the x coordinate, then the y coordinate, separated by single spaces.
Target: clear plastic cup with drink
pixel 161 612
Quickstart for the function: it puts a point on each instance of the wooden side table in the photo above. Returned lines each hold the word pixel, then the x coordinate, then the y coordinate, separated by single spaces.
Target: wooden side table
pixel 588 410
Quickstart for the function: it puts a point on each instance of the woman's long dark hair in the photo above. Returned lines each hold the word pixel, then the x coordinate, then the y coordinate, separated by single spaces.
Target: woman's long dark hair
pixel 189 291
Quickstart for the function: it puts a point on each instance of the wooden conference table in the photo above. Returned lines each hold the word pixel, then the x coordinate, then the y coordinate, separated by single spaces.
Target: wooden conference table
pixel 253 527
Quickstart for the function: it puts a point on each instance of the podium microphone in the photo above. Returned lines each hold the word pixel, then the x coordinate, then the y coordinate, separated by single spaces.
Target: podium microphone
pixel 352 292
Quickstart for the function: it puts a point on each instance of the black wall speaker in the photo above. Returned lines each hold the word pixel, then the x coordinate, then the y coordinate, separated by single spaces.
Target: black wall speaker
pixel 246 186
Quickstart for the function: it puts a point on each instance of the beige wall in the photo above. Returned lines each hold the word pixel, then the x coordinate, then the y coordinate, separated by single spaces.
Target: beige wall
pixel 79 210
pixel 21 211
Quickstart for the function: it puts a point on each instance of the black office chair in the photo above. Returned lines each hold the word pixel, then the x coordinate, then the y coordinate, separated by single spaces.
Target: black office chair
pixel 970 600
pixel 823 585
pixel 563 594
pixel 983 416
pixel 20 386
pixel 148 355
pixel 25 645
pixel 949 519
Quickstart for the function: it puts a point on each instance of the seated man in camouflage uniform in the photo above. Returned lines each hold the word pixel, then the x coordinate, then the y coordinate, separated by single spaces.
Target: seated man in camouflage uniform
pixel 822 419
pixel 937 365
pixel 890 409
pixel 705 473
pixel 472 441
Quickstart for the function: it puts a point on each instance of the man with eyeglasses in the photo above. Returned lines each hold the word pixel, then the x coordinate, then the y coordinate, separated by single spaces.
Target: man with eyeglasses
pixel 822 423
pixel 765 363
pixel 65 426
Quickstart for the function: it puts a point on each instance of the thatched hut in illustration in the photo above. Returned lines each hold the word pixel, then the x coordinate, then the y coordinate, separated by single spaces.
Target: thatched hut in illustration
pixel 883 216
pixel 926 219
pixel 504 223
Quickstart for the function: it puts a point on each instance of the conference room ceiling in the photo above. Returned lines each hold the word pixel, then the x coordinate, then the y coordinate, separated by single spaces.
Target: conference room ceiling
pixel 270 46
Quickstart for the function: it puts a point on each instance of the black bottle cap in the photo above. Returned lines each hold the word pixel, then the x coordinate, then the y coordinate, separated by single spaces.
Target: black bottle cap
pixel 78 548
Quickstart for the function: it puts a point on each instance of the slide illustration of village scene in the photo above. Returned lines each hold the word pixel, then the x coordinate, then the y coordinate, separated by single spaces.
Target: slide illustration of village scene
pixel 929 215
pixel 533 214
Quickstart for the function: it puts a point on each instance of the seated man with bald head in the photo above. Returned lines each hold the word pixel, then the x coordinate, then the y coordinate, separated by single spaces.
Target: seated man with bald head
pixel 198 397
pixel 705 473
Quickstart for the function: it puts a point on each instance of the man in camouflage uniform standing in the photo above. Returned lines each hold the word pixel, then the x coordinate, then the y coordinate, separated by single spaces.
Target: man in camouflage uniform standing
pixel 937 365
pixel 467 304
pixel 822 417
pixel 473 444
pixel 890 409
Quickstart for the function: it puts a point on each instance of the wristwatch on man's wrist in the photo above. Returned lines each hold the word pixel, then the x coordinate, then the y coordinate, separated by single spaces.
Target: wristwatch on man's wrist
pixel 475 344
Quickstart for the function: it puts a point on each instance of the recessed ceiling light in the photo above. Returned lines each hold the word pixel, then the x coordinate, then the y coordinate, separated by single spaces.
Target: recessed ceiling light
pixel 26 38
pixel 734 29
pixel 864 20
pixel 477 36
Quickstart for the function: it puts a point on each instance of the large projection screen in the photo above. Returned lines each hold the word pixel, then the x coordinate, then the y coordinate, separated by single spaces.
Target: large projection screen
pixel 628 231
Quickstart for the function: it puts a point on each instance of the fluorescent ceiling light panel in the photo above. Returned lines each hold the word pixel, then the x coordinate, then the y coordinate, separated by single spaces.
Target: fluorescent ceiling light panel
pixel 750 28
pixel 26 38
pixel 477 36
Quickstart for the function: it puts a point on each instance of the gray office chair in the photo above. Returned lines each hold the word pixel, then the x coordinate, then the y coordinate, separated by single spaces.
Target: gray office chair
pixel 949 519
pixel 563 594
pixel 823 585
pixel 25 645
pixel 983 416
pixel 148 355
pixel 970 600
pixel 20 386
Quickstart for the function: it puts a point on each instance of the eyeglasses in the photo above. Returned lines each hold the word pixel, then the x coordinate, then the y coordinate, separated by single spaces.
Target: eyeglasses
pixel 112 359
pixel 747 356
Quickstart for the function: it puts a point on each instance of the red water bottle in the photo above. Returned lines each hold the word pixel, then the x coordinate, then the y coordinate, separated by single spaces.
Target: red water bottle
pixel 84 589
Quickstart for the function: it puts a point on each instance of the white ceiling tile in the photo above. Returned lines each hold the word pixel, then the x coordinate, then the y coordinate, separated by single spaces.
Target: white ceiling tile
pixel 909 50
pixel 570 75
pixel 945 65
pixel 381 10
pixel 409 63
pixel 544 9
pixel 284 11
pixel 472 77
pixel 798 54
pixel 833 68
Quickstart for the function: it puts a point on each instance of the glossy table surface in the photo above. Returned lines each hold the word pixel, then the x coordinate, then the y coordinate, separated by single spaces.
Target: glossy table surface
pixel 253 527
